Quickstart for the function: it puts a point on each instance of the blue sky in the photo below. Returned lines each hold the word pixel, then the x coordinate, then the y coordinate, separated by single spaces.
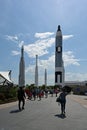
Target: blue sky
pixel 33 23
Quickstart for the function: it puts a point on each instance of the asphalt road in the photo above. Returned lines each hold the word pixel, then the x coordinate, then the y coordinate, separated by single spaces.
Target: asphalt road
pixel 44 115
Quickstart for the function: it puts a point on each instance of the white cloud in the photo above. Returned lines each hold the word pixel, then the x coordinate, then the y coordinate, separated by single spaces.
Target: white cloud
pixel 12 38
pixel 49 63
pixel 40 47
pixel 44 35
pixel 75 76
pixel 15 52
pixel 21 43
pixel 30 72
pixel 15 39
pixel 65 37
pixel 42 64
pixel 30 68
pixel 48 34
pixel 69 59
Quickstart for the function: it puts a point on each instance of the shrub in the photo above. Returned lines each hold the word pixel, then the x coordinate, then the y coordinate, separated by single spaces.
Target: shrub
pixel 2 96
pixel 8 94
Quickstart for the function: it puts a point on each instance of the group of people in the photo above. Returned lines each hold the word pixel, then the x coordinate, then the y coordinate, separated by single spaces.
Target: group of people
pixel 21 94
pixel 62 97
pixel 40 93
pixel 33 93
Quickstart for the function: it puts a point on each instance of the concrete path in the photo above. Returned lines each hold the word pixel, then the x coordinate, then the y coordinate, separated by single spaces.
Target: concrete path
pixel 44 115
pixel 80 99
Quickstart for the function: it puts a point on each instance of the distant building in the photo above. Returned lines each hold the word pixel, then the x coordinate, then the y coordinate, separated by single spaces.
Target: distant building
pixel 5 78
pixel 78 87
pixel 74 83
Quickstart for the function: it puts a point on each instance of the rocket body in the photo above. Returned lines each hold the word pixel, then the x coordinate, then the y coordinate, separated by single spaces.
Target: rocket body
pixel 36 72
pixel 45 79
pixel 22 69
pixel 59 66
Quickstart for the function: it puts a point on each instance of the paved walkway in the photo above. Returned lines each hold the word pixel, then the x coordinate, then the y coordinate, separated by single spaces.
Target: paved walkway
pixel 45 115
pixel 77 98
pixel 80 99
pixel 8 105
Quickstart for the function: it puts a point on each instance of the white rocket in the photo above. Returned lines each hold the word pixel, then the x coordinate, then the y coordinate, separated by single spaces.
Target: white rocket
pixel 22 69
pixel 59 66
pixel 45 79
pixel 36 72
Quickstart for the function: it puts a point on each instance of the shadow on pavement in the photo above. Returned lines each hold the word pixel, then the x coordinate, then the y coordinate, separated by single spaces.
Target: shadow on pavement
pixel 85 98
pixel 15 111
pixel 62 116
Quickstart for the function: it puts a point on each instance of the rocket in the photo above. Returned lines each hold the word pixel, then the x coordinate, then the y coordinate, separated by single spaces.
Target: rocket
pixel 36 72
pixel 59 66
pixel 45 79
pixel 22 69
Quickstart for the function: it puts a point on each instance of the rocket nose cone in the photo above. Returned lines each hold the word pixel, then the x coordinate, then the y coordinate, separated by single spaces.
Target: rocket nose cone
pixel 59 32
pixel 59 28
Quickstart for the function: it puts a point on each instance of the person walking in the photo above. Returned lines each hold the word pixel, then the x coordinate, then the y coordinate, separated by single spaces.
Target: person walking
pixel 21 98
pixel 34 93
pixel 62 98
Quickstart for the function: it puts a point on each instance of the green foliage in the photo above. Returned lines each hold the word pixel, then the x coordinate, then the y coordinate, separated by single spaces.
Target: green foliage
pixel 43 87
pixel 2 96
pixel 8 93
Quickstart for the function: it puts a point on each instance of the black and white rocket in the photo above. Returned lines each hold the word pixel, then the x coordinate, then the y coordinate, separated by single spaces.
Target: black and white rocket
pixel 59 66
pixel 22 69
pixel 36 72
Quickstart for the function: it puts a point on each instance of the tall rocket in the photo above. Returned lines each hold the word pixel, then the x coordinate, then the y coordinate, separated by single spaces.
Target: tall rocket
pixel 22 69
pixel 45 79
pixel 59 66
pixel 36 72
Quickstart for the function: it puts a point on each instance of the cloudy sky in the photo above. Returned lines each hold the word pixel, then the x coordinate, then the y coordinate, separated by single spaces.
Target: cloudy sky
pixel 33 23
